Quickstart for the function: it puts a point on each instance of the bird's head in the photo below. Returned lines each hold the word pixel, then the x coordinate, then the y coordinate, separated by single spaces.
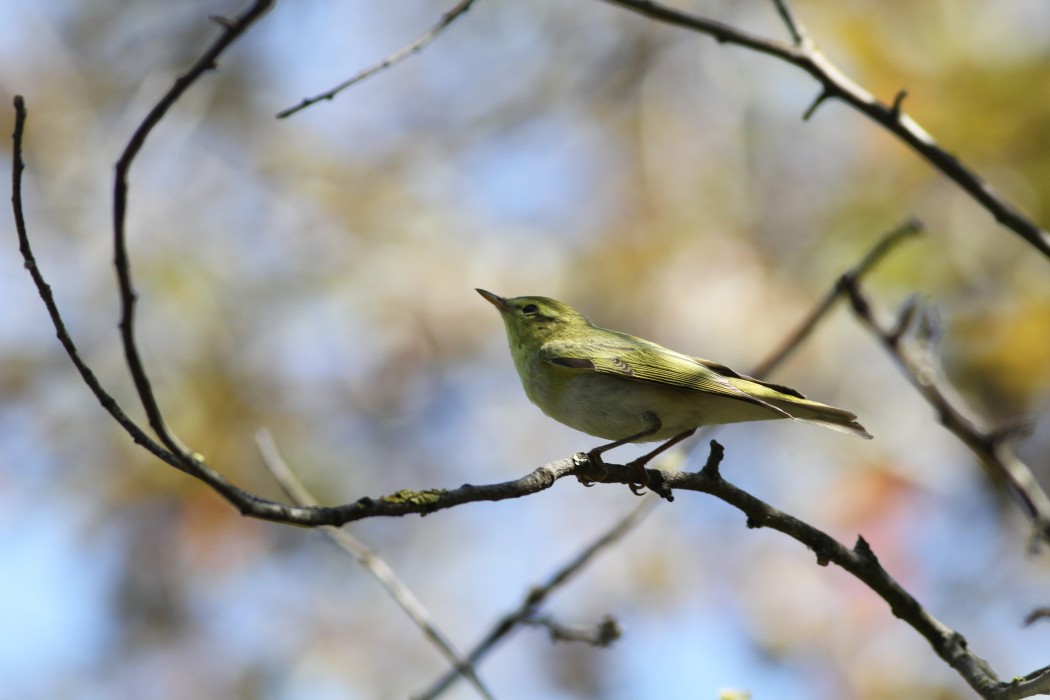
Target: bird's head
pixel 532 321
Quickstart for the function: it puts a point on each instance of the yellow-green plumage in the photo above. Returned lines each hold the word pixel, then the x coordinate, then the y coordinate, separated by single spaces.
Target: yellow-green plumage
pixel 613 385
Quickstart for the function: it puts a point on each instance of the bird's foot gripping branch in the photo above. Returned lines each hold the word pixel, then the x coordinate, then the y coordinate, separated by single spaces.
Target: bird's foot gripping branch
pixel 590 469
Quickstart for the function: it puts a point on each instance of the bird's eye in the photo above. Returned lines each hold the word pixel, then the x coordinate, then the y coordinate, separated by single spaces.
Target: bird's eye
pixel 530 309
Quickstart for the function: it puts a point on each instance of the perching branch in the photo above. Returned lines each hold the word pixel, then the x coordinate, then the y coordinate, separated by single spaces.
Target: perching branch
pixel 861 562
pixel 404 503
pixel 393 59
pixel 249 504
pixel 836 85
pixel 994 448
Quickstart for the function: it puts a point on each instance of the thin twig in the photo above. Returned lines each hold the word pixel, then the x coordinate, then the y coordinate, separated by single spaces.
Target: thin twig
pixel 232 29
pixel 835 84
pixel 537 596
pixel 994 448
pixel 601 635
pixel 370 560
pixel 393 59
pixel 794 26
pixel 1040 613
pixel 888 242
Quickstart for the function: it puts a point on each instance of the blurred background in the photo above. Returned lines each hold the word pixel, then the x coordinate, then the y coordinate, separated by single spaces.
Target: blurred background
pixel 315 276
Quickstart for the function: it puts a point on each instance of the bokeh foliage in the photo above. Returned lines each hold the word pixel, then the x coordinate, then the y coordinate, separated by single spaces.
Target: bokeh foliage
pixel 314 275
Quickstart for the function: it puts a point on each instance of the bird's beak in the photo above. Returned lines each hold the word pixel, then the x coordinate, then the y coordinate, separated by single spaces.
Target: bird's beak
pixel 495 299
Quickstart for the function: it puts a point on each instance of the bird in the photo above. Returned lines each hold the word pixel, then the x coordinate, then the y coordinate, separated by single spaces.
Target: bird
pixel 618 387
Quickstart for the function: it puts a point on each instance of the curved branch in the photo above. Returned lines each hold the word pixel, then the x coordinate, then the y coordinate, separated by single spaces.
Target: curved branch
pixel 171 451
pixel 835 84
pixel 859 561
pixel 393 59
pixel 232 29
pixel 44 290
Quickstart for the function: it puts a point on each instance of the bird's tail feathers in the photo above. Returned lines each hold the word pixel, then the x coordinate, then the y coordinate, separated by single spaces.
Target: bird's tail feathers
pixel 821 414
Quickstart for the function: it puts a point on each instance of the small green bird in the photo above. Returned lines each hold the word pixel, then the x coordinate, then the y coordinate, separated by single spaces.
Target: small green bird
pixel 626 389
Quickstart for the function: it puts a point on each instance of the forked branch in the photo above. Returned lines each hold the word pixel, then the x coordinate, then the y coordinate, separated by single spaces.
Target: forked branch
pixel 993 447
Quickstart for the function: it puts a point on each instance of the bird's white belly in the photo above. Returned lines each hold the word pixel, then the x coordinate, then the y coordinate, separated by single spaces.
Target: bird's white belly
pixel 615 408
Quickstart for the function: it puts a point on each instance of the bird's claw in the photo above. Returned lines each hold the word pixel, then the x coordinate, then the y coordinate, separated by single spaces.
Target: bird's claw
pixel 638 487
pixel 591 469
pixel 594 468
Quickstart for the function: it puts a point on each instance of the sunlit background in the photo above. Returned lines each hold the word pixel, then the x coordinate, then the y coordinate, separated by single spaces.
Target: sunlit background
pixel 315 276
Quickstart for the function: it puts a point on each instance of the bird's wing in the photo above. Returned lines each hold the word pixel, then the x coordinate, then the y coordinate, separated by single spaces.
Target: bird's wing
pixel 791 401
pixel 726 372
pixel 632 358
pixel 635 359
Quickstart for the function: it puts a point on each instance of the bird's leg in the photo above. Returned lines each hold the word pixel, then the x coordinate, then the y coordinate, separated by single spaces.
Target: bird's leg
pixel 653 425
pixel 639 464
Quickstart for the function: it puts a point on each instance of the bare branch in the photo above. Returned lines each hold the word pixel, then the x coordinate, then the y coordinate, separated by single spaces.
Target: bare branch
pixel 231 30
pixel 994 448
pixel 1041 613
pixel 861 562
pixel 888 242
pixel 190 463
pixel 44 290
pixel 537 596
pixel 601 635
pixel 835 84
pixel 393 59
pixel 370 560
